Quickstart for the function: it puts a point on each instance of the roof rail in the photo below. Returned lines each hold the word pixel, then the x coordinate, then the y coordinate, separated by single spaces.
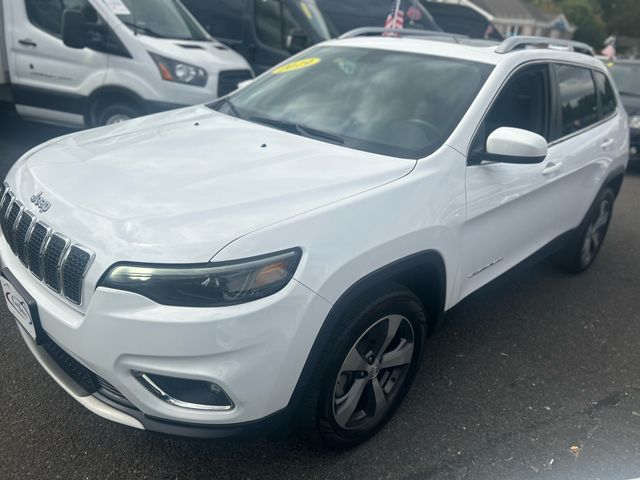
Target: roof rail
pixel 516 43
pixel 400 32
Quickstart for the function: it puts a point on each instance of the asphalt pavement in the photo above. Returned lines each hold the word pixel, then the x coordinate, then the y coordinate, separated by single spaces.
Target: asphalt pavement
pixel 535 376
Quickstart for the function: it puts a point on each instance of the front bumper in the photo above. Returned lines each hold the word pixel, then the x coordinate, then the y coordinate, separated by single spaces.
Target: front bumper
pixel 254 351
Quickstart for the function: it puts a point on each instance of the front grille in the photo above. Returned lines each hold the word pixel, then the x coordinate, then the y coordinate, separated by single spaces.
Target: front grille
pixel 228 80
pixel 52 259
pixel 50 256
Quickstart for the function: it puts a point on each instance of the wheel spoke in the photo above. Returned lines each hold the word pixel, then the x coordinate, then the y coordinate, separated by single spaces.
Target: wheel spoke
pixel 354 362
pixel 393 323
pixel 347 404
pixel 380 398
pixel 398 357
pixel 603 218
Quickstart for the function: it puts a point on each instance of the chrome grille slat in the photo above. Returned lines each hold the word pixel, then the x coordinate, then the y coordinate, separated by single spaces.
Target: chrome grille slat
pixel 50 256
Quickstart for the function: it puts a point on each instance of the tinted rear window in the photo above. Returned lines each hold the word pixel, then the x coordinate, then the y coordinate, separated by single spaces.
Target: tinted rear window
pixel 578 98
pixel 607 95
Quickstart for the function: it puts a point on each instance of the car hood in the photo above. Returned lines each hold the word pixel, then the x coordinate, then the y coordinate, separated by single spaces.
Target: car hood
pixel 179 186
pixel 213 56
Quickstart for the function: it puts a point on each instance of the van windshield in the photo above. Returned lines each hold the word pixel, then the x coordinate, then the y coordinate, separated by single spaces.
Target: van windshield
pixel 388 102
pixel 158 18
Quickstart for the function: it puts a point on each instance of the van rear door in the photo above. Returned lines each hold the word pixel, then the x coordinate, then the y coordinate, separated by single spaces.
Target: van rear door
pixel 51 82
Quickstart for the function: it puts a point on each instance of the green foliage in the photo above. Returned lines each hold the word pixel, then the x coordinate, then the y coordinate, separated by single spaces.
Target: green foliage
pixel 597 19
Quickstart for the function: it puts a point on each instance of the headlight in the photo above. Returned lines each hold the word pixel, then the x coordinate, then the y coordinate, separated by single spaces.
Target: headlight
pixel 206 285
pixel 634 122
pixel 174 71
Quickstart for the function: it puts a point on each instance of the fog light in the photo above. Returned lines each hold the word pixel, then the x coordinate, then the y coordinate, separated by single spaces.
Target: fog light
pixel 633 150
pixel 186 393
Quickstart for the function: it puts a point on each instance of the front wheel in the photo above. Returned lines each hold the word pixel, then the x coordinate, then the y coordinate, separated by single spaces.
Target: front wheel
pixel 116 113
pixel 369 367
pixel 580 254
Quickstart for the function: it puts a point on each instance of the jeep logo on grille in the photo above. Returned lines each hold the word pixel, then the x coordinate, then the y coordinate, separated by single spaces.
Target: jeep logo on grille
pixel 40 202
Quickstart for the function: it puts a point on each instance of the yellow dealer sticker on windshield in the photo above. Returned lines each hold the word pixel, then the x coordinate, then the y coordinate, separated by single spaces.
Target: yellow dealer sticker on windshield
pixel 290 67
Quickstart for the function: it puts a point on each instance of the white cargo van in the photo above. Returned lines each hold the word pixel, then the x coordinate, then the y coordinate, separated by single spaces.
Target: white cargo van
pixel 95 62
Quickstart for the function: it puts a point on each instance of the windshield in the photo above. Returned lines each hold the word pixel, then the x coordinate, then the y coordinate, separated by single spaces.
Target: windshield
pixel 158 18
pixel 627 78
pixel 387 102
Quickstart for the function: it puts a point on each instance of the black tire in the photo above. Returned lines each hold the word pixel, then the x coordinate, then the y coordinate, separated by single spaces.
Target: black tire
pixel 321 416
pixel 115 113
pixel 587 241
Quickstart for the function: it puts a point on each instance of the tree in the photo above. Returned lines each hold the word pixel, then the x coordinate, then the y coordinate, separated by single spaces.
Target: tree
pixel 622 16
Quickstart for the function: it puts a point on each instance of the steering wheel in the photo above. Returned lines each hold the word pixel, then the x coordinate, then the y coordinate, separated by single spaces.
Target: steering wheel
pixel 427 126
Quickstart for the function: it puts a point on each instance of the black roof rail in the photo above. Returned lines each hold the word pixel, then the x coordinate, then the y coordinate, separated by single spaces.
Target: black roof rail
pixel 400 32
pixel 517 43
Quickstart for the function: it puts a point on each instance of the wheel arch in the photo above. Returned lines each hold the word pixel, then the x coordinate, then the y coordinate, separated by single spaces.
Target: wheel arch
pixel 112 94
pixel 423 273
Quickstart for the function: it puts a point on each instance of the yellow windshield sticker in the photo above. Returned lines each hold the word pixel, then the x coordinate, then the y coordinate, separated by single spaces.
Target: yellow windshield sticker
pixel 611 64
pixel 290 67
pixel 306 10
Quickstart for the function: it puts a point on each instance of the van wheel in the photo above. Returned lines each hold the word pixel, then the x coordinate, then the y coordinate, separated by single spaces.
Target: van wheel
pixel 580 254
pixel 367 368
pixel 116 113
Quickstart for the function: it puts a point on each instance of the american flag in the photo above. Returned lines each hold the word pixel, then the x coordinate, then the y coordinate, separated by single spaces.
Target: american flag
pixel 395 20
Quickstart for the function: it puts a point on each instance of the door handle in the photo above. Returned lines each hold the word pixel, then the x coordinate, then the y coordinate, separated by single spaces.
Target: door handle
pixel 607 144
pixel 27 42
pixel 552 167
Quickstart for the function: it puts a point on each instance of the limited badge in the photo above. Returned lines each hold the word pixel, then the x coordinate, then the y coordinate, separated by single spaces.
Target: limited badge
pixel 290 67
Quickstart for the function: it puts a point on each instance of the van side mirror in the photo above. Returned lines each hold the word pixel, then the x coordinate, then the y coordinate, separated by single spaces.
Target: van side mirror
pixel 514 145
pixel 74 29
pixel 297 41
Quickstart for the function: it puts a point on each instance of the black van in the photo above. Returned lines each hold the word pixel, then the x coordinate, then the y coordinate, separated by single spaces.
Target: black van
pixel 265 32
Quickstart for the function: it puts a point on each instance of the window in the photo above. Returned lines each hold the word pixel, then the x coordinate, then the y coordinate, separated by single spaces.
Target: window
pixel 366 99
pixel 274 23
pixel 161 19
pixel 47 14
pixel 524 103
pixel 221 18
pixel 578 100
pixel 607 96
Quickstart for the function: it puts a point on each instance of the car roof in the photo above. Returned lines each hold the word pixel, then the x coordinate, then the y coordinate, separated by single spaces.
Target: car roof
pixel 467 49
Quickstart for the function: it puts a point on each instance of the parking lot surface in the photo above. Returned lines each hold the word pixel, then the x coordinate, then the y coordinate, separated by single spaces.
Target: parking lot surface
pixel 535 376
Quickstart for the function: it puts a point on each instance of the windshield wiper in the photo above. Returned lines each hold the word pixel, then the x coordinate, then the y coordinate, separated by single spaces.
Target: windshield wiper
pixel 629 94
pixel 145 30
pixel 299 129
pixel 227 101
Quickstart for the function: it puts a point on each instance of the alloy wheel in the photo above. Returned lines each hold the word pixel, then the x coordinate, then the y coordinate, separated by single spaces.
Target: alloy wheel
pixel 595 233
pixel 373 372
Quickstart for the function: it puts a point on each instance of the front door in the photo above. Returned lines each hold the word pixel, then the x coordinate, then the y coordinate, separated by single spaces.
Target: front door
pixel 51 81
pixel 512 210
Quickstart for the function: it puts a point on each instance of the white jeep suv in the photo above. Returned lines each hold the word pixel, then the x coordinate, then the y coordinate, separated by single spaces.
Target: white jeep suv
pixel 280 256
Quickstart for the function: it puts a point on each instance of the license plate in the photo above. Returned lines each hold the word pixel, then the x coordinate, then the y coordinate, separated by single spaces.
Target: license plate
pixel 21 305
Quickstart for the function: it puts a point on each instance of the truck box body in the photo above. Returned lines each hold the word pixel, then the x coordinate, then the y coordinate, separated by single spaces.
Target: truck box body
pixel 4 61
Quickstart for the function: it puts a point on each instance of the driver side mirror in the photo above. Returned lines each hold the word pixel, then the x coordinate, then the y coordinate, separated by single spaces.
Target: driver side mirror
pixel 297 41
pixel 74 29
pixel 514 145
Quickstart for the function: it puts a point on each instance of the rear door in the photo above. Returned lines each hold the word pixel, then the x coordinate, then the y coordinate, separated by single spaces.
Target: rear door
pixel 51 81
pixel 586 137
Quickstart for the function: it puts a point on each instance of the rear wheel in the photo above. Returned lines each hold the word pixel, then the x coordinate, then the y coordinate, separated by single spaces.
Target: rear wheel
pixel 580 254
pixel 369 367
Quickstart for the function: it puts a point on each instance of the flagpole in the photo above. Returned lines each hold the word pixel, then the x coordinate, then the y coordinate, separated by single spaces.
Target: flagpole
pixel 395 15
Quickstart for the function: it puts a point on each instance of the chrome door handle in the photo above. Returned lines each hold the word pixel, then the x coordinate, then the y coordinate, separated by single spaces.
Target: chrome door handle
pixel 27 42
pixel 607 144
pixel 552 167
